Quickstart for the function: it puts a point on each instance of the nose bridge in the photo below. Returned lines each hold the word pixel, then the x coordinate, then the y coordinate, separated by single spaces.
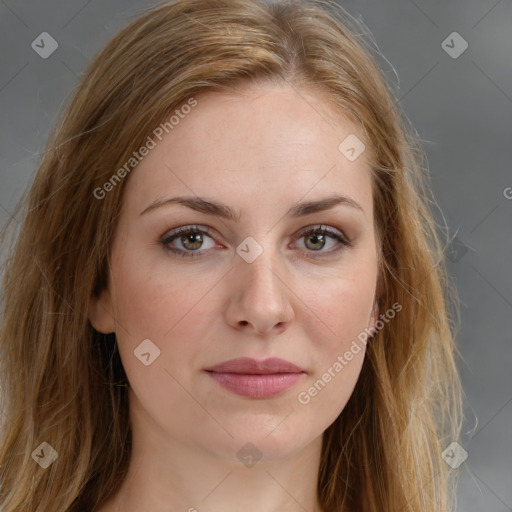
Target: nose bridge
pixel 260 276
pixel 261 298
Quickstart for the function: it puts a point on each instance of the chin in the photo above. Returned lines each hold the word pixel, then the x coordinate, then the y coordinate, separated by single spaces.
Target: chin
pixel 260 439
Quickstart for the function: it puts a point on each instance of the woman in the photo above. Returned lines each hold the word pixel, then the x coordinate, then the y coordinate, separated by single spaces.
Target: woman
pixel 227 291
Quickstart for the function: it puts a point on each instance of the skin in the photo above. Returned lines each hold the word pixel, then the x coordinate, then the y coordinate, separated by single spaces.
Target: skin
pixel 258 151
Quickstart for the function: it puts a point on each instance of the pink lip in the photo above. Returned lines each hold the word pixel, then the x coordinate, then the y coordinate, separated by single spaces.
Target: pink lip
pixel 256 379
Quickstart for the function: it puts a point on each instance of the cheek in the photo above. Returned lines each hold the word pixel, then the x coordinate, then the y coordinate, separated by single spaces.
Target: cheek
pixel 169 308
pixel 323 397
pixel 166 309
pixel 344 307
pixel 152 300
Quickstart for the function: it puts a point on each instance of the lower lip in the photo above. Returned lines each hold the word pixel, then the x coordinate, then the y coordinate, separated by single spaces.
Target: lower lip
pixel 256 386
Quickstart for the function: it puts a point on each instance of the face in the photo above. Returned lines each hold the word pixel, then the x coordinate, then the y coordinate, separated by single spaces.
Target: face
pixel 272 256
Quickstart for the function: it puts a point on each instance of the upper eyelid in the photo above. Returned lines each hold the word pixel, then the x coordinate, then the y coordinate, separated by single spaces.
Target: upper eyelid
pixel 322 227
pixel 185 229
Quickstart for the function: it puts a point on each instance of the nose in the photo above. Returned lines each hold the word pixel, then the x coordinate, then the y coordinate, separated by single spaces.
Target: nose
pixel 259 297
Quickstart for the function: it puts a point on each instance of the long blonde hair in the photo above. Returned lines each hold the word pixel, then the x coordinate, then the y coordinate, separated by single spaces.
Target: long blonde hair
pixel 63 382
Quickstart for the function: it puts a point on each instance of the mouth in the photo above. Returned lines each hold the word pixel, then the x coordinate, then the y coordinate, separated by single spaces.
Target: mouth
pixel 256 379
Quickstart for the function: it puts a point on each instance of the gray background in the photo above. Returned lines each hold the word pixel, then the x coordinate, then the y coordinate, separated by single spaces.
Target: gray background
pixel 462 110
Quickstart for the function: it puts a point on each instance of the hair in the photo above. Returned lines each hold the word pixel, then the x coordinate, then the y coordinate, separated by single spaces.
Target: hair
pixel 63 382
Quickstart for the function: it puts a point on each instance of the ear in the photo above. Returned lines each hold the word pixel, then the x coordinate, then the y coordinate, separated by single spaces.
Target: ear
pixel 101 314
pixel 374 316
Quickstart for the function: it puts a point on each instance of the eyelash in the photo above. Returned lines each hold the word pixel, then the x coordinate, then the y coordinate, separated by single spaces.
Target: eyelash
pixel 322 230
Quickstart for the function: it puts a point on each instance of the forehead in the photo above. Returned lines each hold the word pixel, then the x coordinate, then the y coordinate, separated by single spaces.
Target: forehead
pixel 261 144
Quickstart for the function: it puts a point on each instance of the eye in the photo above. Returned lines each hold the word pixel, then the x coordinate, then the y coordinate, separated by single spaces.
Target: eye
pixel 187 240
pixel 317 239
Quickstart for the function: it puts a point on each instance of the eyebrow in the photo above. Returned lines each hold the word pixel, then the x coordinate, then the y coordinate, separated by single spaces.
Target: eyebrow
pixel 226 212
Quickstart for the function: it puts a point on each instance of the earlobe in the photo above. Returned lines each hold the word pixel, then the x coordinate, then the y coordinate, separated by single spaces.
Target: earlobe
pixel 100 313
pixel 374 317
pixel 375 314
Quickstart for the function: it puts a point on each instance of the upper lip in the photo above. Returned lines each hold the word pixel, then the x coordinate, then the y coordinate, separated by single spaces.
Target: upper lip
pixel 247 365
